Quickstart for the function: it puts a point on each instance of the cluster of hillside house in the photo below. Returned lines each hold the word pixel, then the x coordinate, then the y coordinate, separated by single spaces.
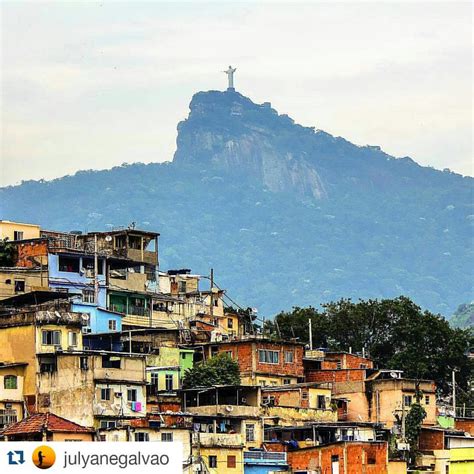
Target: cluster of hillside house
pixel 95 340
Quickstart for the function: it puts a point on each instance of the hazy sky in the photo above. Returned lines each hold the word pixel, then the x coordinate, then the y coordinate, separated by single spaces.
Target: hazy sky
pixel 93 85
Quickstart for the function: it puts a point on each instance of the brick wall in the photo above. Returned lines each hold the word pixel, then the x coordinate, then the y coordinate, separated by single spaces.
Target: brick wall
pixel 32 254
pixel 345 361
pixel 247 356
pixel 431 440
pixel 353 457
pixel 341 375
pixel 465 424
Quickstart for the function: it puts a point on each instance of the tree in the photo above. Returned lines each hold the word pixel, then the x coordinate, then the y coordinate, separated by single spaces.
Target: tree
pixel 395 333
pixel 413 422
pixel 218 370
pixel 7 253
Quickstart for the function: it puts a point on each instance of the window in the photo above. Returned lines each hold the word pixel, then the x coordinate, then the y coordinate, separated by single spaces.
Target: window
pixel 363 366
pixel 72 339
pixel 68 264
pixel 88 264
pixel 229 354
pixel 19 286
pixel 249 433
pixel 10 382
pixel 7 417
pixel 112 325
pixel 105 393
pixel 216 302
pixel 169 382
pixel 321 402
pixel 230 323
pixel 182 286
pixel 88 296
pixel 338 364
pixel 263 383
pixel 427 400
pixel 17 235
pixel 268 357
pixel 104 424
pixel 154 379
pixel 407 400
pixel 48 364
pixel 132 394
pixel 110 362
pixel 289 357
pixel 167 437
pixel 304 395
pixel 84 363
pixel 142 437
pixel 213 462
pixel 51 338
pixel 286 381
pixel 231 462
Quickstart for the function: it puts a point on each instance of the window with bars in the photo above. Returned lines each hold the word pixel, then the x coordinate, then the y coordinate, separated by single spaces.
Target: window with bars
pixel 213 462
pixel 10 382
pixel 167 437
pixel 142 437
pixel 7 417
pixel 268 357
pixel 51 338
pixel 88 296
pixel 105 393
pixel 169 382
pixel 249 433
pixel 72 339
pixel 132 394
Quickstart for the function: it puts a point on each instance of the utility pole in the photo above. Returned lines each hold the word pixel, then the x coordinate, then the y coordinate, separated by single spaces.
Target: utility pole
pixel 310 335
pixel 403 419
pixel 211 297
pixel 96 272
pixel 453 372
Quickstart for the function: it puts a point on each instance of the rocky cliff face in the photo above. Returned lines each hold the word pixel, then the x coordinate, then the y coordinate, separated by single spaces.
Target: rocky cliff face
pixel 227 132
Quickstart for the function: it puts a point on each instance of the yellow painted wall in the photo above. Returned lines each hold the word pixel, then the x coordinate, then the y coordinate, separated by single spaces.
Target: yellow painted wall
pixel 397 467
pixel 7 229
pixel 12 394
pixel 461 461
pixel 222 454
pixel 65 330
pixel 73 437
pixel 17 344
pixel 34 280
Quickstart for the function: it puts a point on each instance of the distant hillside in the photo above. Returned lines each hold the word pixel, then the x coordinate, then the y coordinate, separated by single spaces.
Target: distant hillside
pixel 287 215
pixel 463 317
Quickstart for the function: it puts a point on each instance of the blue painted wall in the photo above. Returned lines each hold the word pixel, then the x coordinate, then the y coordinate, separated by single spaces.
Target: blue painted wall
pixel 99 318
pixel 75 282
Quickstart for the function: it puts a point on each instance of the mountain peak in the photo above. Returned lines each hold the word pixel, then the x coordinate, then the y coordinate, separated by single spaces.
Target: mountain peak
pixel 226 131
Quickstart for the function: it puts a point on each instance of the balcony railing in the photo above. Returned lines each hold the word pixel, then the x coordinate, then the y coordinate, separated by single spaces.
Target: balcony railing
pixel 264 457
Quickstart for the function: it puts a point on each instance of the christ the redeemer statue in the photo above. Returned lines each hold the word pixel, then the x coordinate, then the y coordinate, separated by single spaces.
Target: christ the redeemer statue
pixel 230 77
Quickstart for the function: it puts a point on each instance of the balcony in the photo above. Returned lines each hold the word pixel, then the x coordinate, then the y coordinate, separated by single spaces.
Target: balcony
pixel 224 440
pixel 234 410
pixel 264 458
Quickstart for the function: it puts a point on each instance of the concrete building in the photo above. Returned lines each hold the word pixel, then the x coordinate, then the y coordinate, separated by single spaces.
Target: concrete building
pixel 18 231
pixel 262 361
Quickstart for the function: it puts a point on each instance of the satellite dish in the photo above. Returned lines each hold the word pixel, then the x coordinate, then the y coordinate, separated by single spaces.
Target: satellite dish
pixel 108 238
pixel 394 375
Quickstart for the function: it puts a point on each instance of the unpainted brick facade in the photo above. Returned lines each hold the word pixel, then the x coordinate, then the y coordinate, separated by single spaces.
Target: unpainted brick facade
pixel 351 457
